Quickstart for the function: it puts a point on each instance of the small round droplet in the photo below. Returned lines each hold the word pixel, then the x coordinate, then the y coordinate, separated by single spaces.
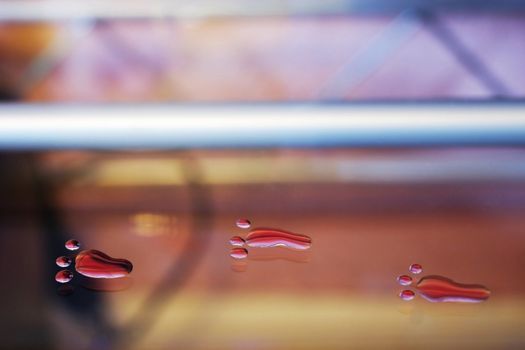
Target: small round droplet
pixel 415 268
pixel 65 290
pixel 238 253
pixel 407 295
pixel 404 280
pixel 72 244
pixel 243 223
pixel 63 261
pixel 64 276
pixel 237 241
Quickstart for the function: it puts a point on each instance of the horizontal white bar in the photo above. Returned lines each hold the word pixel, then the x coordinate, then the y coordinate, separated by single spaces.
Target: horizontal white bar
pixel 167 126
pixel 53 10
pixel 24 10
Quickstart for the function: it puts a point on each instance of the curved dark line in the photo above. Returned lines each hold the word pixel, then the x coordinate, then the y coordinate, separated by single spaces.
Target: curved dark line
pixel 182 268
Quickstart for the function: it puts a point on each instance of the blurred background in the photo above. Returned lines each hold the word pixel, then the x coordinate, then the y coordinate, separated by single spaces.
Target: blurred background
pixel 390 132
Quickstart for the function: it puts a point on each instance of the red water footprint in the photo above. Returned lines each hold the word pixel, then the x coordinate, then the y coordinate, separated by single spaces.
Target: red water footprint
pixel 93 264
pixel 266 238
pixel 435 288
pixel 270 237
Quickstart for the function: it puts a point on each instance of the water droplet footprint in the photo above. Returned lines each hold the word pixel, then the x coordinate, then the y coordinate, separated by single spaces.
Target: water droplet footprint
pixel 404 280
pixel 92 264
pixel 267 238
pixel 237 241
pixel 243 223
pixel 95 264
pixel 439 289
pixel 64 276
pixel 63 261
pixel 407 295
pixel 238 253
pixel 72 244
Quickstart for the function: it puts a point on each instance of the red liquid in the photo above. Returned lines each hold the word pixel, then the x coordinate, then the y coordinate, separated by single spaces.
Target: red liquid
pixel 404 280
pixel 63 261
pixel 415 268
pixel 407 295
pixel 268 237
pixel 237 241
pixel 243 223
pixel 72 244
pixel 238 253
pixel 95 264
pixel 442 289
pixel 64 276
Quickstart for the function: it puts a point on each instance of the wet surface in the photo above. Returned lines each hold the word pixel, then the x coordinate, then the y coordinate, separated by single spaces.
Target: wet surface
pixel 186 291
